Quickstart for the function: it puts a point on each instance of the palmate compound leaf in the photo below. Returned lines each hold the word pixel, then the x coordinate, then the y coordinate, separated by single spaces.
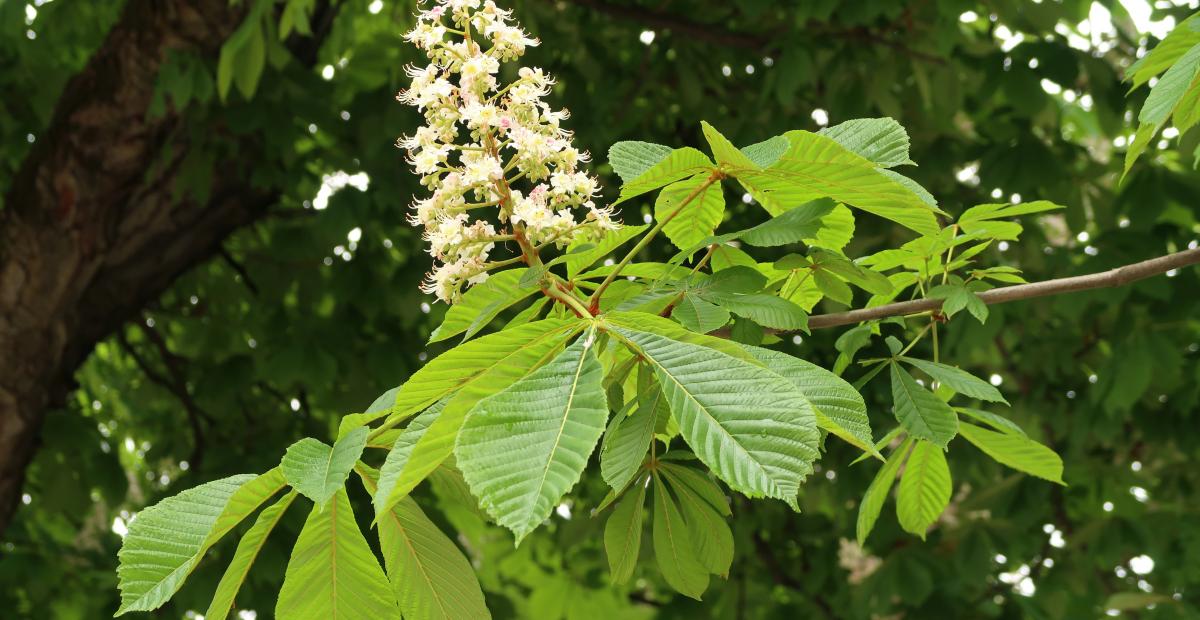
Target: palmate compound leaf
pixel 710 533
pixel 676 165
pixel 924 488
pixel 332 573
pixel 674 549
pixel 524 447
pixel 166 540
pixel 247 551
pixel 920 412
pixel 429 574
pixel 623 532
pixel 486 366
pixel 958 380
pixel 625 447
pixel 751 427
pixel 316 470
pixel 1016 451
pixel 877 492
pixel 694 221
pixel 838 406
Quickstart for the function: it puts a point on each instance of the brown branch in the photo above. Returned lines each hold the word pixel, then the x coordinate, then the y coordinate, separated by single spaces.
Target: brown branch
pixel 240 269
pixel 178 385
pixel 1112 278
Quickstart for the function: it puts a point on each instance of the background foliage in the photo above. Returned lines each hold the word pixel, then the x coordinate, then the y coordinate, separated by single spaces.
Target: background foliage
pixel 311 313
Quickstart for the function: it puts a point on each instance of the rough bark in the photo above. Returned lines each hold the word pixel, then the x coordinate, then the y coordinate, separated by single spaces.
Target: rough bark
pixel 92 228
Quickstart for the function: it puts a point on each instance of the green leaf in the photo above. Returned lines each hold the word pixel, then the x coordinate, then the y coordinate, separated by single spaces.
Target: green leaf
pixel 997 422
pixel 816 166
pixel 698 219
pixel 881 140
pixel 1016 451
pixel 578 261
pixel 987 212
pixel 1166 96
pixel 498 361
pixel 466 363
pixel 678 164
pixel 877 492
pixel 397 457
pixel 625 448
pixel 792 226
pixel 523 448
pixel 430 575
pixel 630 159
pixel 623 533
pixel 958 380
pixel 1183 38
pixel 764 154
pixel 708 529
pixel 250 62
pixel 753 428
pixel 481 303
pixel 924 489
pixel 674 551
pixel 957 297
pixel 698 315
pixel 318 471
pixel 247 551
pixel 833 287
pixel 674 331
pixel 166 540
pixel 919 411
pixel 1133 601
pixel 766 310
pixel 838 406
pixel 332 572
pixel 723 150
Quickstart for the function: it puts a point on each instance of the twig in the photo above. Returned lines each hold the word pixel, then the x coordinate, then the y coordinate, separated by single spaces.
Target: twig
pixel 240 269
pixel 176 384
pixel 1112 278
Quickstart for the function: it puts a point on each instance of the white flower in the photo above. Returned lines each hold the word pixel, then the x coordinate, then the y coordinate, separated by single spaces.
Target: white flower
pixel 514 136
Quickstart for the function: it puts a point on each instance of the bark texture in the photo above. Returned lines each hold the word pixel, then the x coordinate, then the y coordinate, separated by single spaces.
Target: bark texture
pixel 93 229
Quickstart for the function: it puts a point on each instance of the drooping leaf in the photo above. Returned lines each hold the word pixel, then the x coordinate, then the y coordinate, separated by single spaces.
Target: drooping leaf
pixel 919 411
pixel 481 303
pixel 924 488
pixel 881 140
pixel 838 406
pixel 316 470
pixel 623 533
pixel 625 447
pixel 1016 451
pixel 524 447
pixel 753 428
pixel 958 380
pixel 247 551
pixel 166 540
pixel 332 572
pixel 766 310
pixel 501 359
pixel 699 483
pixel 711 536
pixel 674 551
pixel 877 492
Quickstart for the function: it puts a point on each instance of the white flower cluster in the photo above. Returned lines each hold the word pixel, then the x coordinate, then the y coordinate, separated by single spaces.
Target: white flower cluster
pixel 511 136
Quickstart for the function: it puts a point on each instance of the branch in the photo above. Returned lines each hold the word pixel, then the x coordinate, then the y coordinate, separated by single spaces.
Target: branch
pixel 1112 278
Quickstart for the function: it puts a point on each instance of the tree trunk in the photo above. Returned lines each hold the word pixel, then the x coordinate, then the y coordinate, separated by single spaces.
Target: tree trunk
pixel 92 229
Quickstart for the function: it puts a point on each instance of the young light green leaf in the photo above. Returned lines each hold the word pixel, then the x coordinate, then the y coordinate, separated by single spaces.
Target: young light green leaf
pixel 997 422
pixel 987 212
pixel 697 219
pixel 166 540
pixel 924 489
pixel 524 447
pixel 1016 451
pixel 838 406
pixel 723 150
pixel 318 471
pixel 247 551
pixel 1166 96
pixel 958 380
pixel 877 492
pixel 511 354
pixel 623 533
pixel 764 154
pixel 792 226
pixel 753 428
pixel 919 411
pixel 678 164
pixel 1184 37
pixel 332 572
pixel 674 551
pixel 481 303
pixel 881 140
pixel 578 261
pixel 629 159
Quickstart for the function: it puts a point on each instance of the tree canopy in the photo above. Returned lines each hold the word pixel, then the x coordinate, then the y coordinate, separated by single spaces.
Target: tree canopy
pixel 206 263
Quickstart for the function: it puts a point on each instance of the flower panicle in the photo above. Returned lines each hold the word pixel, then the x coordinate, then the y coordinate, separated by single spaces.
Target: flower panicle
pixel 488 149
